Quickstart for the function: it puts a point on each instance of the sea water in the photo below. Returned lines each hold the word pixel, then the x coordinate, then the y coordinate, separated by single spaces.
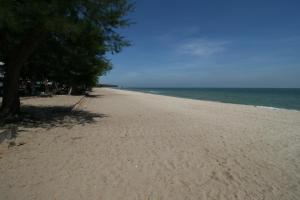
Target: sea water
pixel 288 98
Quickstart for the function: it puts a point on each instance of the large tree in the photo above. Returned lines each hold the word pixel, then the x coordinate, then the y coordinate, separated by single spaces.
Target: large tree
pixel 75 61
pixel 27 25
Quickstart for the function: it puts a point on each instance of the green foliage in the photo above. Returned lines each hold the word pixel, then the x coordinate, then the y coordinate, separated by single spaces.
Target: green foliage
pixel 77 34
pixel 74 61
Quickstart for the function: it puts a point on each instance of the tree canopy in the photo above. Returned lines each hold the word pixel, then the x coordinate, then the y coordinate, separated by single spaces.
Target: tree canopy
pixel 65 41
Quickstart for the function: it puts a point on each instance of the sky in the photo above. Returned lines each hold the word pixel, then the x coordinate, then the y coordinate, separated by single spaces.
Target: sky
pixel 210 43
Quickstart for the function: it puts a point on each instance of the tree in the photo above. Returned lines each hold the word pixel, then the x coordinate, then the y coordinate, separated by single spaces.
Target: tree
pixel 77 63
pixel 26 25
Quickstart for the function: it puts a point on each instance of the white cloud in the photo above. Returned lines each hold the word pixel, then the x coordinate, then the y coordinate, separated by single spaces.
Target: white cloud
pixel 202 47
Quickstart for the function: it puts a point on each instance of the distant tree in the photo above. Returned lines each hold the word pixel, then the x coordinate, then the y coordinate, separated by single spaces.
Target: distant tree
pixel 28 25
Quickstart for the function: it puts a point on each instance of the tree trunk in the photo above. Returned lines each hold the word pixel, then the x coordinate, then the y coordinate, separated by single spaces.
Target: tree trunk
pixel 70 91
pixel 11 102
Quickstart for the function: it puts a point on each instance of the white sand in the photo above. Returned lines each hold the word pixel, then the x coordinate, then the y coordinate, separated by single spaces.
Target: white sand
pixel 151 147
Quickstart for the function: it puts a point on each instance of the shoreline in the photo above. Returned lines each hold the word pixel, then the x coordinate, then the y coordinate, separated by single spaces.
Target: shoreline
pixel 212 101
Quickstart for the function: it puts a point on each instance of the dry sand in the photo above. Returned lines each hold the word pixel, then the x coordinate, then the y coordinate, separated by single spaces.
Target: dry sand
pixel 127 145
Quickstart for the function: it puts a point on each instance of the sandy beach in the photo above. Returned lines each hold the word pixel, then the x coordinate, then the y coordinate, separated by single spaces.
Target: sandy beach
pixel 116 144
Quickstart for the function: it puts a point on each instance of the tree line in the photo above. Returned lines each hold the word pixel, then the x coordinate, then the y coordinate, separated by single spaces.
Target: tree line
pixel 62 41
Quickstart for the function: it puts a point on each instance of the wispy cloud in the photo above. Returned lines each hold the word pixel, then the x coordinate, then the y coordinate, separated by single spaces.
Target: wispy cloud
pixel 202 47
pixel 178 34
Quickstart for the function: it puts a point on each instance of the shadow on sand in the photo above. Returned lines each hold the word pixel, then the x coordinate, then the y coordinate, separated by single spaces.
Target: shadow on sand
pixel 48 117
pixel 55 116
pixel 93 95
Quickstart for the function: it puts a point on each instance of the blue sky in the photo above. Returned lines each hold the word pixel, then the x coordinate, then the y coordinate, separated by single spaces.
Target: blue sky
pixel 210 43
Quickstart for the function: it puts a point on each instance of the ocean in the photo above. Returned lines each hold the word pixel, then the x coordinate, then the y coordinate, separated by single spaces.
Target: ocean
pixel 287 98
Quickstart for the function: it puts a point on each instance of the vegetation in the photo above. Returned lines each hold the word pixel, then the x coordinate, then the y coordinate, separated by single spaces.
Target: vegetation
pixel 62 41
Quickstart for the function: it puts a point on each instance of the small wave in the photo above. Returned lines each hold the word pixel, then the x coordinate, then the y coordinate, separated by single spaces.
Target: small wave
pixel 273 108
pixel 154 92
pixel 268 107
